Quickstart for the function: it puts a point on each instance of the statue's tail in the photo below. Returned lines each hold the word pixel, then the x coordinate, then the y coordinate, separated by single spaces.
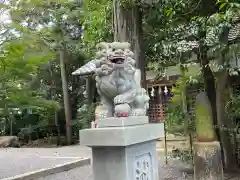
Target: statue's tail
pixel 88 68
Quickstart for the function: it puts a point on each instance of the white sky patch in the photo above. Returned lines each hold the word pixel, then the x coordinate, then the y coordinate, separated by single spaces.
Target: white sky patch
pixel 5 17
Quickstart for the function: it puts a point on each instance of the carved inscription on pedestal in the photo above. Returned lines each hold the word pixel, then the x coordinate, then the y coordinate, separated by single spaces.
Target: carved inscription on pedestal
pixel 143 167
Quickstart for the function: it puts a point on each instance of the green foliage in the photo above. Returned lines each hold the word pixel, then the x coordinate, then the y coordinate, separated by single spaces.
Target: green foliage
pixel 175 115
pixel 20 61
pixel 175 118
pixel 233 106
pixel 86 114
pixel 97 23
pixel 30 62
pixel 183 155
pixel 177 30
pixel 180 87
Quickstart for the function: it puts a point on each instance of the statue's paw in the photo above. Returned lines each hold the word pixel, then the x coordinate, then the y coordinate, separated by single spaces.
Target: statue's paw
pixel 118 101
pixel 122 110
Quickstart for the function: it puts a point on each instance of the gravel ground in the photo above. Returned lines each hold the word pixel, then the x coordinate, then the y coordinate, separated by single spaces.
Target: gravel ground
pixel 81 173
pixel 22 160
pixel 14 161
pixel 166 172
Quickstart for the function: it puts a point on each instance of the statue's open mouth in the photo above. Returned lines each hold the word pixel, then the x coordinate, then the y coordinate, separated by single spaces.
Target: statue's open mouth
pixel 117 60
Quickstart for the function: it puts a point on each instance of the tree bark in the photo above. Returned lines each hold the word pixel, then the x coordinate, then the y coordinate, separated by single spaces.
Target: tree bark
pixel 221 100
pixel 58 129
pixel 53 97
pixel 90 88
pixel 128 28
pixel 222 97
pixel 209 83
pixel 66 99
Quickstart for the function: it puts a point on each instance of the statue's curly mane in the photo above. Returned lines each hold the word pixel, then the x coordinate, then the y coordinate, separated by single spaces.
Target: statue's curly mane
pixel 106 50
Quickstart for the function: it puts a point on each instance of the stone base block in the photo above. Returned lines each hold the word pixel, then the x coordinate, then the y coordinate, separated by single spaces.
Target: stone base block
pixel 207 161
pixel 137 162
pixel 124 153
pixel 121 136
pixel 123 121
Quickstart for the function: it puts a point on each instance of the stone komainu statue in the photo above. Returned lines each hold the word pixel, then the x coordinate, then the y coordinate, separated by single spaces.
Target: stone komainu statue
pixel 118 82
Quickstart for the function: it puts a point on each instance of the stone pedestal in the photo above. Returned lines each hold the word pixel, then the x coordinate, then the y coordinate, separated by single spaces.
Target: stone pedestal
pixel 124 151
pixel 207 161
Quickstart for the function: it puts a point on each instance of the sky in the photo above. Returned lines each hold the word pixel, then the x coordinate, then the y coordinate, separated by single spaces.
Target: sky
pixel 4 16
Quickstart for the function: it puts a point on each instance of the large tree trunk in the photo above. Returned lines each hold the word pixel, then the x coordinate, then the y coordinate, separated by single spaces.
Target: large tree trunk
pixel 53 97
pixel 66 99
pixel 218 99
pixel 128 27
pixel 222 97
pixel 209 83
